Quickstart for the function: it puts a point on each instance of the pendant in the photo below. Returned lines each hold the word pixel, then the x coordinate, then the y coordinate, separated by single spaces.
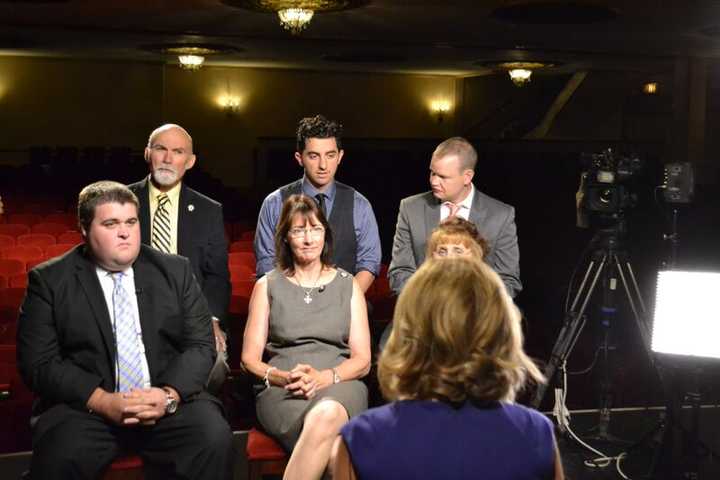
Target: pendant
pixel 307 298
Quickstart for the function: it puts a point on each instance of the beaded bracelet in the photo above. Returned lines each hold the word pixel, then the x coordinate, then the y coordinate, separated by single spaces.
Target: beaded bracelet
pixel 266 378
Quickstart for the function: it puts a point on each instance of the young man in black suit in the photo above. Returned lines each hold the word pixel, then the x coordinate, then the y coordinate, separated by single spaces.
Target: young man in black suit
pixel 114 340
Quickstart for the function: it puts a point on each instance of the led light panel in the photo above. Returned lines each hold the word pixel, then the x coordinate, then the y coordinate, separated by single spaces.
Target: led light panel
pixel 687 314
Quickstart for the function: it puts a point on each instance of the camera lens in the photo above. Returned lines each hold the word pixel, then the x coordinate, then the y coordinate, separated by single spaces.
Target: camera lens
pixel 606 196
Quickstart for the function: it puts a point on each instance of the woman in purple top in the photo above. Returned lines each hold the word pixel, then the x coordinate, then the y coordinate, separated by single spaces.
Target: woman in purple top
pixel 452 365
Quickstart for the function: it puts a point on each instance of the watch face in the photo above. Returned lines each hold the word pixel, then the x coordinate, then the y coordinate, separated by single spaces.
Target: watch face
pixel 171 405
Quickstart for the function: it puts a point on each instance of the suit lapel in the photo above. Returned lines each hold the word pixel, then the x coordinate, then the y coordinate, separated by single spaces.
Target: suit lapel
pixel 184 222
pixel 432 219
pixel 478 213
pixel 143 195
pixel 432 215
pixel 87 277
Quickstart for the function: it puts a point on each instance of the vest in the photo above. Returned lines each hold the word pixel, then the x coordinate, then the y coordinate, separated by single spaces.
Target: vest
pixel 342 223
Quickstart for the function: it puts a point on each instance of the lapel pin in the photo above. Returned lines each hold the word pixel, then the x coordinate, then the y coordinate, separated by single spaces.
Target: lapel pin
pixel 191 207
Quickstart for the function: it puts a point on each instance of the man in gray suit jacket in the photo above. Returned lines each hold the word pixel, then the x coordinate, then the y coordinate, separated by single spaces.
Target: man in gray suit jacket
pixel 452 168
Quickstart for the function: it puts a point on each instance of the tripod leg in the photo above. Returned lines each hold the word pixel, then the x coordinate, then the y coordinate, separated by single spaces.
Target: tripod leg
pixel 634 302
pixel 570 332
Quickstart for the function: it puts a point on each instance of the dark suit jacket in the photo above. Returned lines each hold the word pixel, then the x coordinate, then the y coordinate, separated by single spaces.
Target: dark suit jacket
pixel 420 214
pixel 66 346
pixel 200 238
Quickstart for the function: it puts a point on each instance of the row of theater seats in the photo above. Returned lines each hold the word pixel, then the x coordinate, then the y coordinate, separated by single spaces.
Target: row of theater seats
pixel 32 219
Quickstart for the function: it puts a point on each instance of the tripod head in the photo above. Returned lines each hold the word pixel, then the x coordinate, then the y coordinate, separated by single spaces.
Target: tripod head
pixel 609 238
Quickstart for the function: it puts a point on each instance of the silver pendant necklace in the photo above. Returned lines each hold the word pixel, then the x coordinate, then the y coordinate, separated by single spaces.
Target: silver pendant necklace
pixel 307 298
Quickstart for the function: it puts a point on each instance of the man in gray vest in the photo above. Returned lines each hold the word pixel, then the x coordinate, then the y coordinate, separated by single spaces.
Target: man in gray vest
pixel 356 239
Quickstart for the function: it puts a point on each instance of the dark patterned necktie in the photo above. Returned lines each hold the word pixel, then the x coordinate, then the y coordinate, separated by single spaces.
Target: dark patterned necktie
pixel 161 225
pixel 320 197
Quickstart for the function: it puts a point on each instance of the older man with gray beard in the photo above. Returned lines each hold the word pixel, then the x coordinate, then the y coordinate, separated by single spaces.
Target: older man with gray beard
pixel 177 219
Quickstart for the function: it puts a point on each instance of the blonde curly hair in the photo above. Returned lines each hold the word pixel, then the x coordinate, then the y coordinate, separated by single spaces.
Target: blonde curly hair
pixel 456 337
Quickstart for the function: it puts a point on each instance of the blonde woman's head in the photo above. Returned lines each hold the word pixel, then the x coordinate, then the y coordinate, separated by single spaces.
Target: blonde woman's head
pixel 456 337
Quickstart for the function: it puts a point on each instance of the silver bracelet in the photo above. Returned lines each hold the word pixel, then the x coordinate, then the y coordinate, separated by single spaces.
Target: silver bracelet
pixel 266 378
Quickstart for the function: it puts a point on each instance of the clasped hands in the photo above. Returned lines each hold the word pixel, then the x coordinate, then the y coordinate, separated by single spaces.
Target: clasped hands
pixel 305 381
pixel 139 406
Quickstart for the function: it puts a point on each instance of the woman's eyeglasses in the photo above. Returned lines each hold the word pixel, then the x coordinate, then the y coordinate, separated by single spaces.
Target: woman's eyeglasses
pixel 314 232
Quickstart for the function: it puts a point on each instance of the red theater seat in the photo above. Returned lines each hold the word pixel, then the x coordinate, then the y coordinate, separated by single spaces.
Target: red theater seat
pixel 242 246
pixel 69 220
pixel 128 467
pixel 11 267
pixel 18 281
pixel 265 456
pixel 25 253
pixel 54 229
pixel 14 229
pixel 242 258
pixel 41 240
pixel 28 219
pixel 240 299
pixel 8 325
pixel 7 241
pixel 240 273
pixel 70 237
pixel 58 249
pixel 12 297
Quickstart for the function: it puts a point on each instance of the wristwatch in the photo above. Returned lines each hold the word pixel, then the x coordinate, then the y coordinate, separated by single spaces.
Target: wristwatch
pixel 336 376
pixel 170 404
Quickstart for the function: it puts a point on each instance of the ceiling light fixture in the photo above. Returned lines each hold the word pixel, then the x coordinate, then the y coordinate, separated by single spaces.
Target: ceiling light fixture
pixel 295 20
pixel 521 72
pixel 191 56
pixel 295 15
pixel 520 76
pixel 191 62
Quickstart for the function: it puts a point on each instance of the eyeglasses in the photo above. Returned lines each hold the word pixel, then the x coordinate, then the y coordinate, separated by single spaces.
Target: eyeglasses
pixel 314 232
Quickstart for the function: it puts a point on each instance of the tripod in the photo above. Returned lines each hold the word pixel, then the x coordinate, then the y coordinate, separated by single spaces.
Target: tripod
pixel 607 259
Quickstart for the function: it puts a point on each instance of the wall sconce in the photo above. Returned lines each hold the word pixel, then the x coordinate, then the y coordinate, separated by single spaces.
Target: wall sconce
pixel 230 104
pixel 439 108
pixel 650 88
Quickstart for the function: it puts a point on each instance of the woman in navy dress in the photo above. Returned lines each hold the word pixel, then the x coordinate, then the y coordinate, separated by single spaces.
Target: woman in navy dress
pixel 452 368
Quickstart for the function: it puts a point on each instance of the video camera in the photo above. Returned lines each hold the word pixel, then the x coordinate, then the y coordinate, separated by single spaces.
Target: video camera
pixel 605 193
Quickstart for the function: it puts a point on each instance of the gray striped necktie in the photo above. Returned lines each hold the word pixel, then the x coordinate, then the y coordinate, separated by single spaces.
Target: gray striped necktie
pixel 161 225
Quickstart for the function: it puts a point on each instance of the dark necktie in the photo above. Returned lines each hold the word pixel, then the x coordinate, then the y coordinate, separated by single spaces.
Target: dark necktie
pixel 320 197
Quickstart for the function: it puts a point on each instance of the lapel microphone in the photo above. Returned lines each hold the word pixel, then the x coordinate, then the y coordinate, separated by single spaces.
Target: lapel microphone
pixel 321 289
